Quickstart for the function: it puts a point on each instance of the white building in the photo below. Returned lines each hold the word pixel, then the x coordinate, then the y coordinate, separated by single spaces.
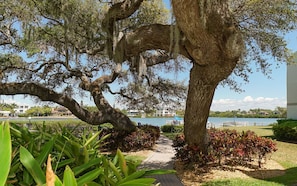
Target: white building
pixel 4 113
pixel 165 112
pixel 21 109
pixel 292 91
pixel 134 113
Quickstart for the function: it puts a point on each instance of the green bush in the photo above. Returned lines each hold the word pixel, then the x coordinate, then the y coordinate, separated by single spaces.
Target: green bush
pixel 285 130
pixel 285 133
pixel 287 122
pixel 143 138
pixel 172 128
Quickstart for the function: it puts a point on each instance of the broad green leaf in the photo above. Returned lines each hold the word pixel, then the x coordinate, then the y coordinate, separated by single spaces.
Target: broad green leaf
pixel 115 171
pixel 138 182
pixel 47 148
pixel 32 166
pixel 92 184
pixel 80 169
pixel 15 132
pixel 122 162
pixel 89 176
pixel 159 171
pixel 5 152
pixel 133 176
pixel 58 181
pixel 69 179
pixel 65 162
pixel 94 137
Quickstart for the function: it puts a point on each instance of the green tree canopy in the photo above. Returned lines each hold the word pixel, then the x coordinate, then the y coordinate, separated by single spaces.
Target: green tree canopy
pixel 57 49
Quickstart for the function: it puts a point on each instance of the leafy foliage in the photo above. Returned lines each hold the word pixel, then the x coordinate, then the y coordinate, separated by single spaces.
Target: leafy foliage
pixel 225 147
pixel 5 152
pixel 172 128
pixel 285 130
pixel 31 149
pixel 143 138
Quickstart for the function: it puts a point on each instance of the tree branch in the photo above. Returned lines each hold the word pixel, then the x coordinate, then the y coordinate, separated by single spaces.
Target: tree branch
pixel 45 94
pixel 118 12
pixel 106 113
pixel 155 36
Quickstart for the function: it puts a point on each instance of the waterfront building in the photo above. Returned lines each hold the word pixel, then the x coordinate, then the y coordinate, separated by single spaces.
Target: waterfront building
pixel 292 91
pixel 21 109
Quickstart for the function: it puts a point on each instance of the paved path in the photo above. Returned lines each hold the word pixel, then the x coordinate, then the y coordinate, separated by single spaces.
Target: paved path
pixel 162 158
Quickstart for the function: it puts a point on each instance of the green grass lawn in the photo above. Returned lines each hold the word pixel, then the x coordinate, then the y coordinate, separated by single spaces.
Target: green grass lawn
pixel 286 155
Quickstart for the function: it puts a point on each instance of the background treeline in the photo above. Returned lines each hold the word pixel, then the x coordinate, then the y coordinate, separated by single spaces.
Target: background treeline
pixel 279 112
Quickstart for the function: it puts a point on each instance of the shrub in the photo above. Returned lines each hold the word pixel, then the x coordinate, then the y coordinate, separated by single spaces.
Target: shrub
pixel 287 122
pixel 172 128
pixel 285 130
pixel 143 138
pixel 285 133
pixel 225 147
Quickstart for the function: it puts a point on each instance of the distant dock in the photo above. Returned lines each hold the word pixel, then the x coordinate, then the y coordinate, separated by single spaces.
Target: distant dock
pixel 235 124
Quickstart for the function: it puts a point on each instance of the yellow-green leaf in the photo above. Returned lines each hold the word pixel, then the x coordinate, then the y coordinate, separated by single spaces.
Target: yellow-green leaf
pixel 5 152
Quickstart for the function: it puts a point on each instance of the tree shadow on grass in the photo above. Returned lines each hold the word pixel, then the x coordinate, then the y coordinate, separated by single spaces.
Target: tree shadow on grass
pixel 290 178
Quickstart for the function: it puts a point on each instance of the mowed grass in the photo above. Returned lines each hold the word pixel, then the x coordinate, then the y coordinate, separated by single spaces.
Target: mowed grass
pixel 286 155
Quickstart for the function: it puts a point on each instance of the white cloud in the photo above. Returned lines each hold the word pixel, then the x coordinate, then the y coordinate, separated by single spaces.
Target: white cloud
pixel 248 103
pixel 248 99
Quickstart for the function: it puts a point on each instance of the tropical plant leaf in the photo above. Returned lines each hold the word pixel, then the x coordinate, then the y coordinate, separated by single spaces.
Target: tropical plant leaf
pixel 65 162
pixel 115 171
pixel 80 169
pixel 47 148
pixel 89 176
pixel 92 184
pixel 90 140
pixel 138 182
pixel 50 175
pixel 5 152
pixel 122 163
pixel 69 179
pixel 32 166
pixel 133 176
pixel 158 172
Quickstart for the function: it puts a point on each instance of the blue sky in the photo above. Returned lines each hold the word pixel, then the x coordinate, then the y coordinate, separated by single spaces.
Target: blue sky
pixel 260 92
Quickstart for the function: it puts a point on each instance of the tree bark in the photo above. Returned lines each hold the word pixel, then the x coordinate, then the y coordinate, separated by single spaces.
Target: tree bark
pixel 199 99
pixel 215 45
pixel 106 113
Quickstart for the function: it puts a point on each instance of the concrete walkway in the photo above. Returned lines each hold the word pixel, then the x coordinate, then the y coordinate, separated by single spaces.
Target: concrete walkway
pixel 162 158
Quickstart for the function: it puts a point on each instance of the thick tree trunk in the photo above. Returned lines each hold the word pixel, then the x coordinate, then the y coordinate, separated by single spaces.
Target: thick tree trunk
pixel 200 95
pixel 215 44
pixel 111 115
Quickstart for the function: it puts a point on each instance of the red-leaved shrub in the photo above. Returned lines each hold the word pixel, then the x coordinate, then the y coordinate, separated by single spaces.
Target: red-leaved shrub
pixel 225 147
pixel 143 138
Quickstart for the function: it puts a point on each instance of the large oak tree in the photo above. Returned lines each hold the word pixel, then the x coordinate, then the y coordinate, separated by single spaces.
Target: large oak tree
pixel 54 49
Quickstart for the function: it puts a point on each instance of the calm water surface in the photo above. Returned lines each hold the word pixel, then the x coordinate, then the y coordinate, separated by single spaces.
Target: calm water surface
pixel 215 121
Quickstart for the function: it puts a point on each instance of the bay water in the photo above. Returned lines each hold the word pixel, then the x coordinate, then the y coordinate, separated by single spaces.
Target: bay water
pixel 213 121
